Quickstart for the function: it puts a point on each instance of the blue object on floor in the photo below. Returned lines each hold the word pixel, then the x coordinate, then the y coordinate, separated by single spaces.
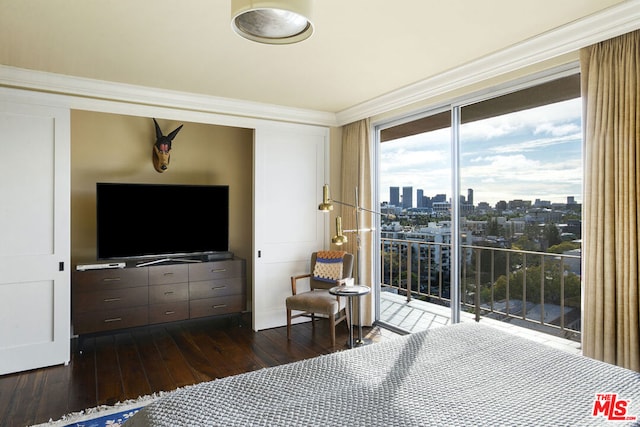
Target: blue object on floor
pixel 112 420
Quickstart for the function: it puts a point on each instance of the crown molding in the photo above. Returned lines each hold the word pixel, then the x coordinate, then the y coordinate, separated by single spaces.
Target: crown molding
pixel 95 94
pixel 101 91
pixel 611 22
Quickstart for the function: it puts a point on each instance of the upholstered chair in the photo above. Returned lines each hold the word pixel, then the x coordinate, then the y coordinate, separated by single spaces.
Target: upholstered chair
pixel 318 300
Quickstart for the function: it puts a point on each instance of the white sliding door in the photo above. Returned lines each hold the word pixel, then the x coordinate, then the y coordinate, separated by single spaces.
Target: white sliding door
pixel 289 174
pixel 34 236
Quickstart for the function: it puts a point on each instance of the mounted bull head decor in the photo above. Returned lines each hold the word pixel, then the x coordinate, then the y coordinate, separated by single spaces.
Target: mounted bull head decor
pixel 162 148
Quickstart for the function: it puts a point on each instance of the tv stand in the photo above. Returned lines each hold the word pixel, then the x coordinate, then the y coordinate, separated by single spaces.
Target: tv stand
pixel 118 298
pixel 163 260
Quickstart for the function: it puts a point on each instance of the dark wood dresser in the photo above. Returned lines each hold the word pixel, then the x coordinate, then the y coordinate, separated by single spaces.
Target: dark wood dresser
pixel 109 299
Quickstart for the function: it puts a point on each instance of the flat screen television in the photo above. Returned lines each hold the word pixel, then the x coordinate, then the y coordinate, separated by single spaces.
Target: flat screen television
pixel 161 220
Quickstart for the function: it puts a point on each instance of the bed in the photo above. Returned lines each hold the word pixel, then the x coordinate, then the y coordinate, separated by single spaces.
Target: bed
pixel 464 374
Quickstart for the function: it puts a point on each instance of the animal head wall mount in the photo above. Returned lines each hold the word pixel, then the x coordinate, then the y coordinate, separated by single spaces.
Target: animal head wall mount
pixel 162 148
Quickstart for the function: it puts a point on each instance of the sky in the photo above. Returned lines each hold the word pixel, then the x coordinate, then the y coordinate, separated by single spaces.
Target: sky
pixel 528 155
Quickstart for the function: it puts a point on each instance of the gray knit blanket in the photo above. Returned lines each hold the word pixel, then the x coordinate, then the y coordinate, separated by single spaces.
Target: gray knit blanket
pixel 460 375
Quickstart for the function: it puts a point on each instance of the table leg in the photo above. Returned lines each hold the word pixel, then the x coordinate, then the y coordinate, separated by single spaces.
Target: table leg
pixel 350 342
pixel 359 342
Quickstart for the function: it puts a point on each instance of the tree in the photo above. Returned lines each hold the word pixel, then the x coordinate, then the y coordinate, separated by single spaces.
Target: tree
pixel 551 234
pixel 525 243
pixel 552 286
pixel 493 228
pixel 532 231
pixel 563 247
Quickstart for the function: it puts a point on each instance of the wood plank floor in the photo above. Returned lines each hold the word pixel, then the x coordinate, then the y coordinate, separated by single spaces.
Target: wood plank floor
pixel 109 368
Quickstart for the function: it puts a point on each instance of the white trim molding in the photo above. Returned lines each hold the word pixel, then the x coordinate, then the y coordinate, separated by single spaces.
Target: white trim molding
pixel 604 25
pixel 100 90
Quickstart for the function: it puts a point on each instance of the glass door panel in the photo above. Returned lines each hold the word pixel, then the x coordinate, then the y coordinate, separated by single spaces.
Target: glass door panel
pixel 415 197
pixel 520 206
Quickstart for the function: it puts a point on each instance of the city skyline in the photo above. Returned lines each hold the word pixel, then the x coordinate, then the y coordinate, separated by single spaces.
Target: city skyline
pixel 464 194
pixel 526 155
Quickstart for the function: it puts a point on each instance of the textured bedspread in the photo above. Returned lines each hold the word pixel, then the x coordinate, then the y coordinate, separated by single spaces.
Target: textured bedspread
pixel 465 374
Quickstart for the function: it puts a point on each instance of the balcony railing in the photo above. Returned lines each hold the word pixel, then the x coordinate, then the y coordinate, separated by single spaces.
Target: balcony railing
pixel 537 290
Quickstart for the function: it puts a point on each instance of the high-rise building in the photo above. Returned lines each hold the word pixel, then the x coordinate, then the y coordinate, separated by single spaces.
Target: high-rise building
pixel 407 197
pixel 394 196
pixel 428 202
pixel 470 196
pixel 419 198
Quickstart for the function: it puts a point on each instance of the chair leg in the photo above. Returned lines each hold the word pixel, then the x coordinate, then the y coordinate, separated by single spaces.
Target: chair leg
pixel 288 324
pixel 332 329
pixel 313 321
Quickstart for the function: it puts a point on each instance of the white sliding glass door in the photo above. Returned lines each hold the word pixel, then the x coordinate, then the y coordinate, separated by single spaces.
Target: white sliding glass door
pixel 484 203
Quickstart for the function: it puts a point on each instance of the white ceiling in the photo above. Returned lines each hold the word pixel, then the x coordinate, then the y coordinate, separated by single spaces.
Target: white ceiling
pixel 361 49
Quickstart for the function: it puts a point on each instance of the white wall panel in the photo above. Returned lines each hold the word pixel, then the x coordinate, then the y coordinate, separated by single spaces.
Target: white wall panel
pixel 34 236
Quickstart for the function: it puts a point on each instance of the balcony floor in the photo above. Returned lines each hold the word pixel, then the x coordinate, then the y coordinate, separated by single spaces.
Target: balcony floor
pixel 418 315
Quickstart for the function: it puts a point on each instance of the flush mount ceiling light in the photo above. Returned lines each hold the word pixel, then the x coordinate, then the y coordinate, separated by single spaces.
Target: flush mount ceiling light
pixel 272 22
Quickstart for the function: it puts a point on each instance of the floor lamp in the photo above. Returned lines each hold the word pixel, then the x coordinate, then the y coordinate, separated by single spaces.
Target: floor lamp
pixel 340 238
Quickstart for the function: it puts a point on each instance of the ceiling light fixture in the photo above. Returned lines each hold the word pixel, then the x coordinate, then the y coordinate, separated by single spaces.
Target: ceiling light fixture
pixel 272 22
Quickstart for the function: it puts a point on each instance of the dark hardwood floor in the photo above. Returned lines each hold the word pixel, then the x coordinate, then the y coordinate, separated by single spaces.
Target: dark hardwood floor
pixel 109 368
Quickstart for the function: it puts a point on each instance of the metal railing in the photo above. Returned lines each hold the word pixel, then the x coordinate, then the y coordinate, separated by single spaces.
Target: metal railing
pixel 537 290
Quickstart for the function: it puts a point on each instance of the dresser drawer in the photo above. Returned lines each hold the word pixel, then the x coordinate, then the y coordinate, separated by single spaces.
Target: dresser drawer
pixel 216 306
pixel 110 299
pixel 162 274
pixel 216 270
pixel 114 278
pixel 216 288
pixel 168 293
pixel 85 323
pixel 160 313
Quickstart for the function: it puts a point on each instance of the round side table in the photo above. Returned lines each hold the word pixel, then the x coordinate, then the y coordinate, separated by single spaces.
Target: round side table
pixel 350 292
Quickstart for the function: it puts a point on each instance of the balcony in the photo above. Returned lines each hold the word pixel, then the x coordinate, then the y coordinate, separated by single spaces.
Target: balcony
pixel 532 294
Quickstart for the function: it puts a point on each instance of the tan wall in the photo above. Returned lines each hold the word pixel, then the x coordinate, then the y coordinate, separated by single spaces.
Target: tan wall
pixel 118 148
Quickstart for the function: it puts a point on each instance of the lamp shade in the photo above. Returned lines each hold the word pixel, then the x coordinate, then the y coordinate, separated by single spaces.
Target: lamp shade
pixel 272 22
pixel 339 238
pixel 326 204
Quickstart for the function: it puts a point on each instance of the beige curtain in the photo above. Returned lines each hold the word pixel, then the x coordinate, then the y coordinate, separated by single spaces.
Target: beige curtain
pixel 356 173
pixel 611 256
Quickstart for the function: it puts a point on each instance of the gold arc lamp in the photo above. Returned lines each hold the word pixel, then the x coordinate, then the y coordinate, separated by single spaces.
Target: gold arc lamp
pixel 327 205
pixel 272 22
pixel 340 238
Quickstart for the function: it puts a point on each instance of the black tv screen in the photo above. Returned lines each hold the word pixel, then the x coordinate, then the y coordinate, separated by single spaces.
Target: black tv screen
pixel 157 220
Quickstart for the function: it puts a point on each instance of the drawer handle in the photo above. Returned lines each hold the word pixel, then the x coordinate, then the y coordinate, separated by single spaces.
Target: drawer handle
pixel 112 299
pixel 215 288
pixel 168 273
pixel 219 306
pixel 218 270
pixel 169 313
pixel 169 293
pixel 111 279
pixel 115 319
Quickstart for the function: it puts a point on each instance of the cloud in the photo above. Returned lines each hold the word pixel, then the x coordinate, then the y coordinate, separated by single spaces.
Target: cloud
pixel 572 130
pixel 560 119
pixel 403 159
pixel 523 155
pixel 536 144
